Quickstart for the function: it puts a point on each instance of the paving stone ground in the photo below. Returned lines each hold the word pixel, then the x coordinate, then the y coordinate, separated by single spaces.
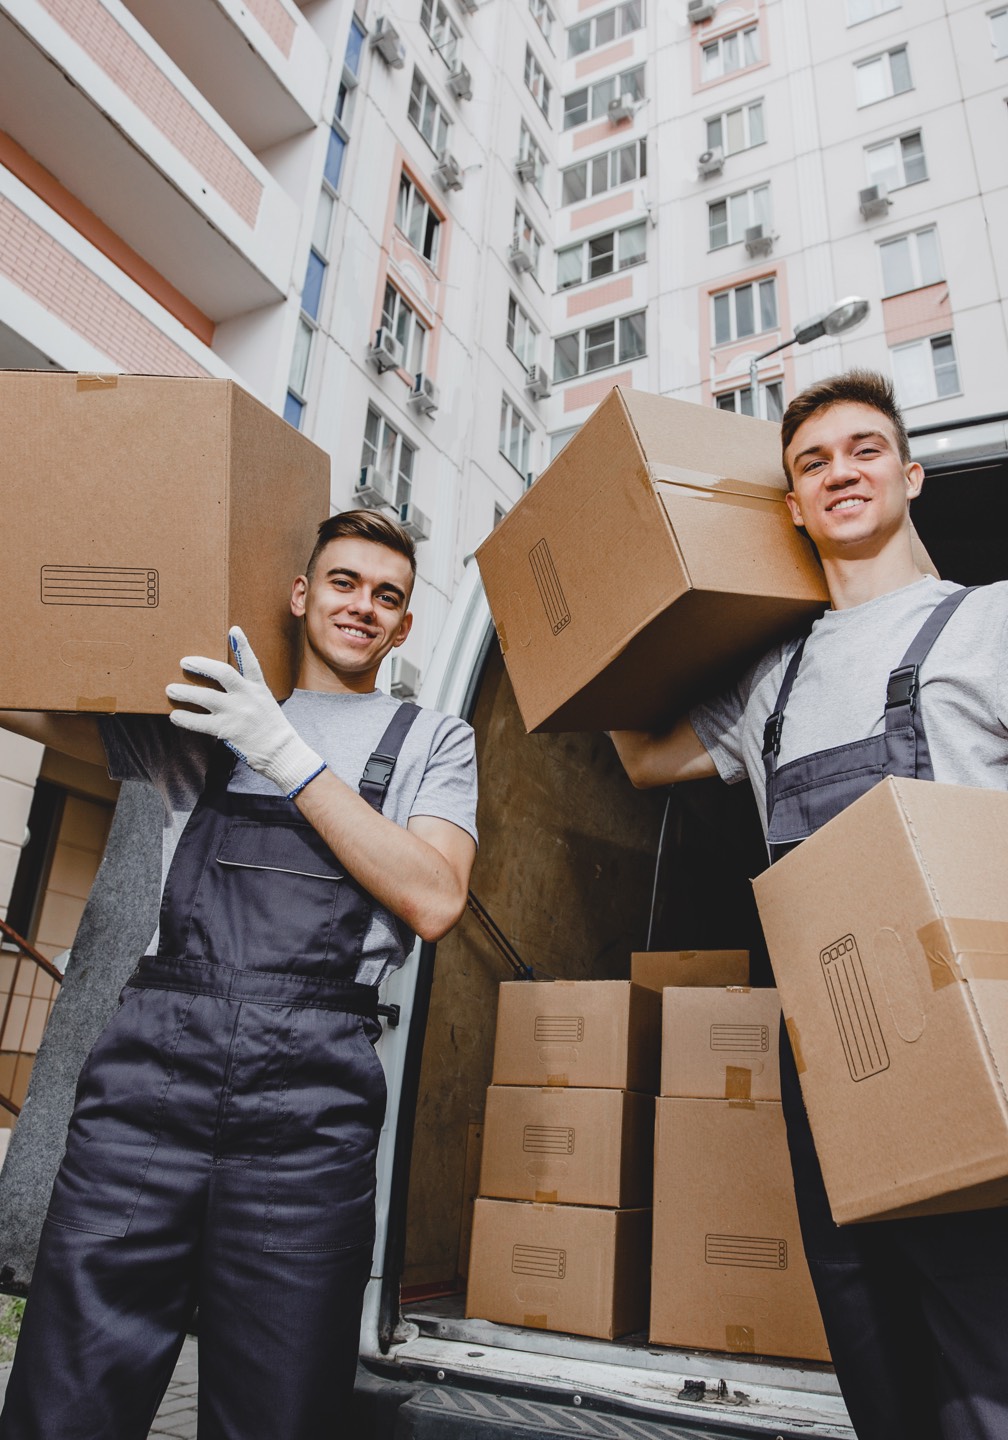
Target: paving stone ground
pixel 176 1419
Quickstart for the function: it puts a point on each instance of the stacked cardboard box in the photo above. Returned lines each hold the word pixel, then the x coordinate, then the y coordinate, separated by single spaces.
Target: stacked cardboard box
pixel 728 1270
pixel 562 1228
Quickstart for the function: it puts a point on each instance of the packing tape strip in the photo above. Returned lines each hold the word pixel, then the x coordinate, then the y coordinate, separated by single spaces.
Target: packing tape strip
pixel 557 1079
pixel 97 382
pixel 101 704
pixel 796 1050
pixel 546 1197
pixel 738 1087
pixel 741 1339
pixel 535 1322
pixel 959 949
pixel 502 639
pixel 718 484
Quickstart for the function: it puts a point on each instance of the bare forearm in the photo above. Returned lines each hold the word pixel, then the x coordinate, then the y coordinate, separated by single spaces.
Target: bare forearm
pixel 663 759
pixel 400 868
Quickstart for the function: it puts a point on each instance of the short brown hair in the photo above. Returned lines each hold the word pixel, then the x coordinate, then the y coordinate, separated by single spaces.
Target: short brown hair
pixel 369 525
pixel 858 387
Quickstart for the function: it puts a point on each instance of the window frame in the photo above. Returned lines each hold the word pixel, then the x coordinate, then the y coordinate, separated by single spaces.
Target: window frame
pixel 763 389
pixel 619 27
pixel 530 149
pixel 435 18
pixel 709 76
pixel 898 142
pixel 916 270
pixel 722 120
pixel 407 326
pixel 1000 53
pixel 439 113
pixel 401 449
pixel 539 9
pixel 590 169
pixel 943 337
pixel 754 286
pixel 591 341
pixel 525 230
pixel 583 247
pixel 880 7
pixel 616 84
pixel 535 79
pixel 884 58
pixel 519 319
pixel 753 217
pixel 417 196
pixel 511 418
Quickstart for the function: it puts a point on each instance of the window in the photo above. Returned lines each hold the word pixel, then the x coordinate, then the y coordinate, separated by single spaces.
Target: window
pixel 910 261
pixel 592 102
pixel 427 115
pixel 417 220
pixel 406 326
pixel 543 16
pixel 536 81
pixel 858 10
pixel 729 219
pixel 745 310
pixel 616 250
pixel 529 150
pixel 730 53
pixel 882 76
pixel 515 437
pixel 925 370
pixel 522 335
pixel 897 162
pixel 386 449
pixel 736 130
pixel 605 172
pixel 444 36
pixel 999 33
pixel 614 342
pixel 771 400
pixel 525 233
pixel 610 25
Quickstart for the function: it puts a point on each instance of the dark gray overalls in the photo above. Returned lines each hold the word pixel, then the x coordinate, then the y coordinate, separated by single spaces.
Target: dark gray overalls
pixel 222 1148
pixel 916 1311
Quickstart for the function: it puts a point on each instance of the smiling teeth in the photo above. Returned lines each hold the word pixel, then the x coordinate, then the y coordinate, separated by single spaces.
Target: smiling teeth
pixel 349 630
pixel 846 504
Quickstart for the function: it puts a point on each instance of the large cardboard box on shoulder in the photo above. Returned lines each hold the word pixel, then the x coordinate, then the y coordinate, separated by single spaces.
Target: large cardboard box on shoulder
pixel 560 1267
pixel 728 1269
pixel 565 1146
pixel 597 1034
pixel 888 931
pixel 720 1043
pixel 143 516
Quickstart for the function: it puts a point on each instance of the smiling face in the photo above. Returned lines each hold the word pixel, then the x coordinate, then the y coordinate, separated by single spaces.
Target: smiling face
pixel 355 612
pixel 851 488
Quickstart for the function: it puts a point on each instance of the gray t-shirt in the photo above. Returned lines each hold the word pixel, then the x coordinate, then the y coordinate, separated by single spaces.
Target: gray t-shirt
pixel 434 775
pixel 839 695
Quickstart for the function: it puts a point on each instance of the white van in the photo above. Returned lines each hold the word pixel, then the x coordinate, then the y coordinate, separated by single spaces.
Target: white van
pixel 576 869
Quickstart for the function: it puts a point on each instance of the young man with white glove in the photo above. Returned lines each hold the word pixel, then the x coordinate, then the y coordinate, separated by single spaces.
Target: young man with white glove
pixel 223 1142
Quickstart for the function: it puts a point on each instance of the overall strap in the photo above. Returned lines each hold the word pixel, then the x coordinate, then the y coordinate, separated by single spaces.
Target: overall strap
pixel 775 721
pixel 904 681
pixel 377 775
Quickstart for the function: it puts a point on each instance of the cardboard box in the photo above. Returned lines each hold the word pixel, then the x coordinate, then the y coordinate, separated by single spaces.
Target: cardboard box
pixel 560 1267
pixel 658 968
pixel 888 931
pixel 568 1147
pixel 728 1269
pixel 599 1034
pixel 145 516
pixel 685 503
pixel 720 1044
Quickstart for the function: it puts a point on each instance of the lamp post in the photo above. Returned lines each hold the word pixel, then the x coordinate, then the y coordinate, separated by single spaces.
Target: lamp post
pixel 844 315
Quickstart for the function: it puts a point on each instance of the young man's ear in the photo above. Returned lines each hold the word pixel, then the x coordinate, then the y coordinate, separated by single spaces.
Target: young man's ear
pixel 915 480
pixel 405 627
pixel 299 590
pixel 795 509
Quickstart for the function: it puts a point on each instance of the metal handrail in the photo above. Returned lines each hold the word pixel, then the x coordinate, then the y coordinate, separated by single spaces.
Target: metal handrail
pixel 27 953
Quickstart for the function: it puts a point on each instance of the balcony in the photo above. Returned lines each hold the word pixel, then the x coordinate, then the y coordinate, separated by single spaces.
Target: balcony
pixel 260 64
pixel 91 98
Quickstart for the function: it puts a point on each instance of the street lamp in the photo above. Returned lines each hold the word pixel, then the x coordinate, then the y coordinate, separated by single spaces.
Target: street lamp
pixel 844 315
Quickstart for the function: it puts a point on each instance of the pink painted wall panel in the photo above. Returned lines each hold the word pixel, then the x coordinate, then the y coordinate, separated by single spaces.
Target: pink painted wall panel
pixel 111 47
pixel 588 64
pixel 578 396
pixel 51 275
pixel 917 314
pixel 621 289
pixel 602 210
pixel 273 18
pixel 601 130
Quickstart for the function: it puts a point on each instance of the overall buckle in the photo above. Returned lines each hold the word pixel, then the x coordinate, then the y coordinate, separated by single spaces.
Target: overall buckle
pixel 902 688
pixel 772 733
pixel 378 770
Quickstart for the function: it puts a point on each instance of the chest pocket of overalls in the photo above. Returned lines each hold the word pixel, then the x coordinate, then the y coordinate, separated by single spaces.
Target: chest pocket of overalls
pixel 280 893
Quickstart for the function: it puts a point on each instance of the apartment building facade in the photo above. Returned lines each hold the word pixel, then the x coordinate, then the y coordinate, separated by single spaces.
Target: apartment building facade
pixel 434 233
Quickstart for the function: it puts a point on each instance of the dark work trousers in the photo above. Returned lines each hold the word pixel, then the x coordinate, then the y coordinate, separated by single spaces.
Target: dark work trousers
pixel 915 1311
pixel 221 1151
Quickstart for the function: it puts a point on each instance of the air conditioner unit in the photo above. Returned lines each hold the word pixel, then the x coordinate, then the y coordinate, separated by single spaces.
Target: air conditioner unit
pixel 525 167
pixel 374 488
pixel 537 382
pixel 460 81
pixel 386 352
pixel 385 39
pixel 405 682
pixel 424 395
pixel 758 240
pixel 449 172
pixel 697 11
pixel 520 254
pixel 874 200
pixel 622 108
pixel 710 162
pixel 414 522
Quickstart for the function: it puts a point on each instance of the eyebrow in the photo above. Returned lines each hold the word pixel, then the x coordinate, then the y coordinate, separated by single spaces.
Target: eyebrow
pixel 356 575
pixel 857 435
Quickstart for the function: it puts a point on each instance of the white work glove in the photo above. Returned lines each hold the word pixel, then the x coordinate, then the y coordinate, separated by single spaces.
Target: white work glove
pixel 246 717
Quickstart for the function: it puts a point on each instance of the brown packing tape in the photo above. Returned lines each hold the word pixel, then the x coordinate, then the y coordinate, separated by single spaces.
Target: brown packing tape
pixel 502 639
pixel 546 1197
pixel 557 1079
pixel 101 704
pixel 796 1050
pixel 717 484
pixel 97 382
pixel 535 1322
pixel 738 1087
pixel 962 949
pixel 741 1339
